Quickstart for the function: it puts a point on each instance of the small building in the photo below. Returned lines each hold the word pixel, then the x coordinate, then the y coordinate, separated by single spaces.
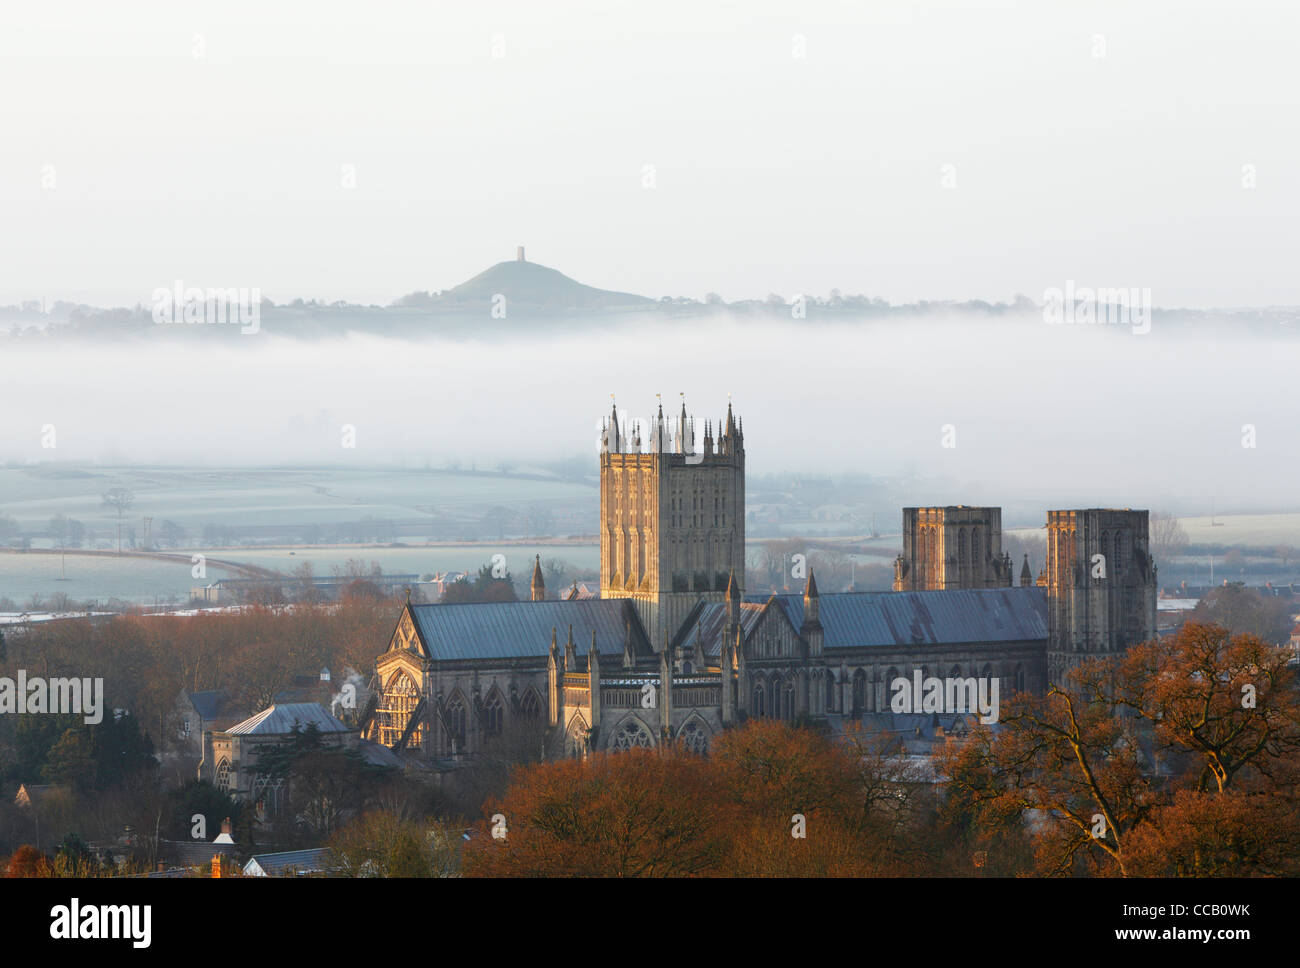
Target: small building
pixel 231 756
pixel 289 863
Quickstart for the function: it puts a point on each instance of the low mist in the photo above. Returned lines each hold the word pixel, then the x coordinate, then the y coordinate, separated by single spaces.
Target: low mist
pixel 1052 415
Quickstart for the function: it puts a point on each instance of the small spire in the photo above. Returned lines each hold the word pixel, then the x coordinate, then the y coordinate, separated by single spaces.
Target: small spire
pixel 733 589
pixel 811 590
pixel 538 586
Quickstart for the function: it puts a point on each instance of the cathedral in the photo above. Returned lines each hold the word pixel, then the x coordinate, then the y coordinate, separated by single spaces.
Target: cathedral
pixel 673 649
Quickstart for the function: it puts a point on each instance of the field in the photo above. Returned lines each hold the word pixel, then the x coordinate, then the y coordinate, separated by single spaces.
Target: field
pixel 447 506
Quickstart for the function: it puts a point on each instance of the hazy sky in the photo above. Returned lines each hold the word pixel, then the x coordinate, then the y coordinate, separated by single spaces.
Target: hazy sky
pixel 795 147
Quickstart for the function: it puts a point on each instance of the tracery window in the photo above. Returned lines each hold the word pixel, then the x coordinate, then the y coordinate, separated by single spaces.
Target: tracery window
pixel 531 705
pixel 694 736
pixel 396 705
pixel 859 693
pixel 758 700
pixel 494 713
pixel 454 719
pixel 223 775
pixel 631 732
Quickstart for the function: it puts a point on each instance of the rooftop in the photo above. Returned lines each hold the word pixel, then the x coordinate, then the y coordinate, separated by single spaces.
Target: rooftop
pixel 284 718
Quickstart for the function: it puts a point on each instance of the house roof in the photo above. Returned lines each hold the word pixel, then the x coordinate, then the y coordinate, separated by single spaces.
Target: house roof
pixel 284 718
pixel 504 630
pixel 376 754
pixel 208 704
pixel 270 865
pixel 900 619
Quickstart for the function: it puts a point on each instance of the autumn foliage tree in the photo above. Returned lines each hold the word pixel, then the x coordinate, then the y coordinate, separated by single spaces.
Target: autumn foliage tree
pixel 769 800
pixel 1164 760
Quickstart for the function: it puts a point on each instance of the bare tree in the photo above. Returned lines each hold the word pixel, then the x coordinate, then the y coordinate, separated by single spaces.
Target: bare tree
pixel 1168 538
pixel 120 499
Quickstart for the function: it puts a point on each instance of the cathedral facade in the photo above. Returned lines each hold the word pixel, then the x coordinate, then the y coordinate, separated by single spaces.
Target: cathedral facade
pixel 674 650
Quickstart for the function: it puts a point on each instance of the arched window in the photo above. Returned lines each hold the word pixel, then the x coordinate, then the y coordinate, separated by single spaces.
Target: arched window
pixel 776 697
pixel 531 705
pixel 830 691
pixel 1020 678
pixel 494 713
pixel 758 700
pixel 787 702
pixel 576 737
pixel 223 775
pixel 632 732
pixel 694 736
pixel 396 704
pixel 859 693
pixel 454 719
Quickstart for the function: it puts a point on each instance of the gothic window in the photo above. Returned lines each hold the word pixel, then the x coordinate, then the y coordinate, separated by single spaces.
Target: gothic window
pixel 694 736
pixel 454 718
pixel 961 549
pixel 976 547
pixel 397 703
pixel 575 737
pixel 787 702
pixel 223 775
pixel 531 705
pixel 758 700
pixel 830 692
pixel 859 693
pixel 776 697
pixel 494 713
pixel 631 732
pixel 1020 678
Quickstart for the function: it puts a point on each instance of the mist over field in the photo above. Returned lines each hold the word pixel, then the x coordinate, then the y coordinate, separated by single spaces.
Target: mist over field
pixel 1052 415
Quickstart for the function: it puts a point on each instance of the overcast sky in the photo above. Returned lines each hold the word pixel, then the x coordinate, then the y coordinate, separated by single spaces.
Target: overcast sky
pixel 794 147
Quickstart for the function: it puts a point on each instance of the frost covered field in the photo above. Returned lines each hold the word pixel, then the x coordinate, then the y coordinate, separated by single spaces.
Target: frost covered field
pixel 198 501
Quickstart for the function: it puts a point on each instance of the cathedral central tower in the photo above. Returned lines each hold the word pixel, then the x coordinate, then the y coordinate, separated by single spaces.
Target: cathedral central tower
pixel 672 514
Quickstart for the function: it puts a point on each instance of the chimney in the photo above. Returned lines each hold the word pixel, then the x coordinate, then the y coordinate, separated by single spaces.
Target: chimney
pixel 225 826
pixel 519 254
